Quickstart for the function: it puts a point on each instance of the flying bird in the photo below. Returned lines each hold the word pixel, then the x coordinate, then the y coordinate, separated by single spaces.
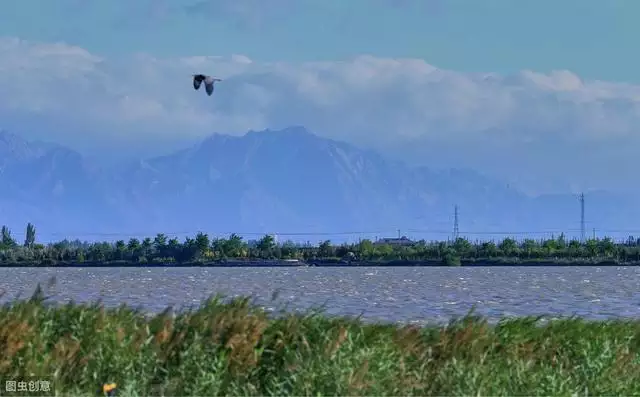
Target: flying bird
pixel 208 82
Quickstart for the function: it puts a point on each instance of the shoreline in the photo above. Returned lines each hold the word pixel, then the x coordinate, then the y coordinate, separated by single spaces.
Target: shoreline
pixel 323 263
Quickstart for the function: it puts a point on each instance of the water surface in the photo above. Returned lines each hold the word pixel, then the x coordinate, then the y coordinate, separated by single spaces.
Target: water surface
pixel 407 294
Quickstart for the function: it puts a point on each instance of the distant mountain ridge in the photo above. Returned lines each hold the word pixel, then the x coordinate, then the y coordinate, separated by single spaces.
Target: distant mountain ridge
pixel 288 180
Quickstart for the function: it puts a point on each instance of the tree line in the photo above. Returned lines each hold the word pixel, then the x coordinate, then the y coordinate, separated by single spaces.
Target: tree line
pixel 203 248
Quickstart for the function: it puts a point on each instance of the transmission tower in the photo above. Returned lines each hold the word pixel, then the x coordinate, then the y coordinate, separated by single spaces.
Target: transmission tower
pixel 582 226
pixel 456 231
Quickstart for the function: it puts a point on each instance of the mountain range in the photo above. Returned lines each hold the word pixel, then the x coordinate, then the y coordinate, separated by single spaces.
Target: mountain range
pixel 285 181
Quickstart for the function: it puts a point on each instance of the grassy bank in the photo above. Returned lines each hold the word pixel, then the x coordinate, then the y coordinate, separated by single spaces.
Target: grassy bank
pixel 234 348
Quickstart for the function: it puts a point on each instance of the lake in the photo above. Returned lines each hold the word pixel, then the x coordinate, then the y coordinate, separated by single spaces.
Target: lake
pixel 396 294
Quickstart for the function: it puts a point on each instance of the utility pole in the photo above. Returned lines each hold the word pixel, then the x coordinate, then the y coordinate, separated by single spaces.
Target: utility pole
pixel 456 231
pixel 583 231
pixel 398 233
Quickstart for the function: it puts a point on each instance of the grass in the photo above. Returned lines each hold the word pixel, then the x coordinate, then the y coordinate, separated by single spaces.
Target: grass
pixel 236 348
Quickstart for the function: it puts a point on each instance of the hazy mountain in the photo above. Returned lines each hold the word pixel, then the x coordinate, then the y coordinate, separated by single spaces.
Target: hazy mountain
pixel 273 181
pixel 51 185
pixel 292 180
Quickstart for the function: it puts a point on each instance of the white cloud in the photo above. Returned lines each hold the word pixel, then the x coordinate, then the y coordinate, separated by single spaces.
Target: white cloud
pixel 485 120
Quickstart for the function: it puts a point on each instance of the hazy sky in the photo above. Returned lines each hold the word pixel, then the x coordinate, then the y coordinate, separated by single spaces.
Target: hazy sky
pixel 593 38
pixel 541 93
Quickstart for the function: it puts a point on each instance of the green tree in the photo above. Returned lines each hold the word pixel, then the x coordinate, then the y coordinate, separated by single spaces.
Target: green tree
pixel 219 247
pixel 325 249
pixel 344 250
pixel 489 249
pixel 592 247
pixel 574 249
pixel 160 244
pixel 451 258
pixel 289 250
pixel 6 240
pixel 146 246
pixel 266 245
pixel 561 242
pixel 201 244
pixel 133 245
pixel 173 247
pixel 529 246
pixel 120 249
pixel 508 247
pixel 550 246
pixel 365 249
pixel 30 235
pixel 234 246
pixel 383 251
pixel 606 247
pixel 463 247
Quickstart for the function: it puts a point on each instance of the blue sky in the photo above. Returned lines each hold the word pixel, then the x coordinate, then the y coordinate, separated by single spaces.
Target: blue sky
pixel 593 38
pixel 544 95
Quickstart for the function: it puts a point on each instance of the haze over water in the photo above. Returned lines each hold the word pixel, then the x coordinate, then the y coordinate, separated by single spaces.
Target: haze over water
pixel 410 294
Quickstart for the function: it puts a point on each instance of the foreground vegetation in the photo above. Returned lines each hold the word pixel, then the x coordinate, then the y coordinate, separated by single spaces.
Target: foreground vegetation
pixel 235 348
pixel 202 248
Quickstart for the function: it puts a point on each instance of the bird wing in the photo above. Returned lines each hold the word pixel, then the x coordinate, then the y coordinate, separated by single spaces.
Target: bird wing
pixel 209 87
pixel 196 82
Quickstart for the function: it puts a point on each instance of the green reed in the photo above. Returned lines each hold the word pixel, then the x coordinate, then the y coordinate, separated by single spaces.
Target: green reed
pixel 236 348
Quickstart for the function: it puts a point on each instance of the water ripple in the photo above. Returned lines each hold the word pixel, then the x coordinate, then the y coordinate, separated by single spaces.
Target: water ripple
pixel 411 294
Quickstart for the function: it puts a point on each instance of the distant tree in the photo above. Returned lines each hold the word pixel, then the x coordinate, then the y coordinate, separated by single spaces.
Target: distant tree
pixel 219 248
pixel 30 236
pixel 133 248
pixel 234 246
pixel 325 250
pixel 451 258
pixel 289 250
pixel 146 246
pixel 606 247
pixel 631 241
pixel 266 245
pixel 6 240
pixel 508 247
pixel 365 249
pixel 201 244
pixel 561 241
pixel 489 249
pixel 383 251
pixel 462 246
pixel 591 246
pixel 574 247
pixel 120 248
pixel 99 251
pixel 160 244
pixel 529 246
pixel 133 244
pixel 173 248
pixel 344 250
pixel 550 246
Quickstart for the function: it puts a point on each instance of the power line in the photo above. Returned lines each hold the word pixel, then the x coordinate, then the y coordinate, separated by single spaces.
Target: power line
pixel 390 231
pixel 336 233
pixel 193 232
